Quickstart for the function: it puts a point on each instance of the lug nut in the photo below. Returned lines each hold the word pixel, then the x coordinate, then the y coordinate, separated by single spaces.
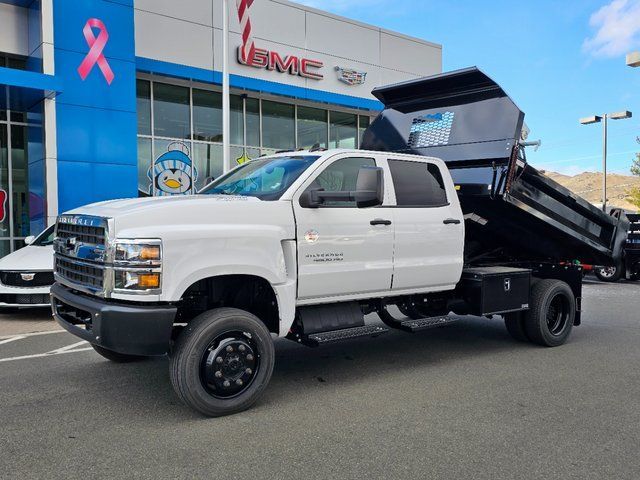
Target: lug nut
pixel 218 374
pixel 226 384
pixel 248 371
pixel 249 357
pixel 242 348
pixel 239 382
pixel 229 349
pixel 219 360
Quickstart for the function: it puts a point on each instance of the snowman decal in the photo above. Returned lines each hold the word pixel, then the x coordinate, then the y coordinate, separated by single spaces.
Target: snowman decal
pixel 172 173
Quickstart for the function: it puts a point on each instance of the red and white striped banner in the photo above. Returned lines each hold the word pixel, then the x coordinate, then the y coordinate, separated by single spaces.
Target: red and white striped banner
pixel 248 45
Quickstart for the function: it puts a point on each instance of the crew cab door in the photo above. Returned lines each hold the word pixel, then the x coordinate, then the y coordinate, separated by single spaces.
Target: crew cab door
pixel 429 226
pixel 342 249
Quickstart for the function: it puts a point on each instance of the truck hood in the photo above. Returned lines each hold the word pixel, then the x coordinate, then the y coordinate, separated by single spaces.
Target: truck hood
pixel 30 258
pixel 140 217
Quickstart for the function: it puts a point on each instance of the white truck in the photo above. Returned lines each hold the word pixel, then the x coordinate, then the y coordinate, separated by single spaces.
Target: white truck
pixel 305 244
pixel 297 245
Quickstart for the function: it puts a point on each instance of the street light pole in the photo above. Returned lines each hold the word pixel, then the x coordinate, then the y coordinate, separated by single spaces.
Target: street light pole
pixel 604 119
pixel 604 162
pixel 226 107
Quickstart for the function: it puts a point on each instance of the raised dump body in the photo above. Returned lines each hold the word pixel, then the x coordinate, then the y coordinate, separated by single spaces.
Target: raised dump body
pixel 512 210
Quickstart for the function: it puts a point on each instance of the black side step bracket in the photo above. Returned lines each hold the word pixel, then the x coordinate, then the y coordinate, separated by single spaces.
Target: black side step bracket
pixel 323 338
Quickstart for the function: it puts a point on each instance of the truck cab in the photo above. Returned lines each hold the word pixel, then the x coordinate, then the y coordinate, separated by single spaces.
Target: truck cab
pixel 270 238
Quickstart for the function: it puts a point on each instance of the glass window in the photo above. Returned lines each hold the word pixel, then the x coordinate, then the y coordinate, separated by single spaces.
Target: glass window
pixel 312 128
pixel 45 238
pixel 207 115
pixel 364 124
pixel 208 158
pixel 344 130
pixel 20 182
pixel 341 176
pixel 171 111
pixel 253 122
pixel 236 120
pixel 417 184
pixel 4 186
pixel 278 125
pixel 144 163
pixel 143 106
pixel 265 178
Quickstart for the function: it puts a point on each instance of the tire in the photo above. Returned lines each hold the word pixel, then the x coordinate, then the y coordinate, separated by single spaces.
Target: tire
pixel 515 326
pixel 552 312
pixel 115 356
pixel 235 382
pixel 610 274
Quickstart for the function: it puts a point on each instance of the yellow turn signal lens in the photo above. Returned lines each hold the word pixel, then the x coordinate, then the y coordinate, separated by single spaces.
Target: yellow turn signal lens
pixel 150 252
pixel 149 280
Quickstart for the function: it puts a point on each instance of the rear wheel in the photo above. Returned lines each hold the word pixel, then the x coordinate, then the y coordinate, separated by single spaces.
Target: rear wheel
pixel 552 313
pixel 115 356
pixel 610 274
pixel 222 362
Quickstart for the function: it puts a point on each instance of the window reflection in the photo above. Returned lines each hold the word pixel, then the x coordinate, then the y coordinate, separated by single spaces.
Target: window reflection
pixel 171 111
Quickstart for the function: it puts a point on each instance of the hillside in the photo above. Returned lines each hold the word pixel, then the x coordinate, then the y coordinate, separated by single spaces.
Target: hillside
pixel 589 186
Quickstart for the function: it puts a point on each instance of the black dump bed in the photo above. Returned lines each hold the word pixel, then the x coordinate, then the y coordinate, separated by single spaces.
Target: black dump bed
pixel 512 210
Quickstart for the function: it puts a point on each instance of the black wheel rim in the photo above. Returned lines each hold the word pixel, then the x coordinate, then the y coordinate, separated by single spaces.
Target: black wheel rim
pixel 229 364
pixel 558 314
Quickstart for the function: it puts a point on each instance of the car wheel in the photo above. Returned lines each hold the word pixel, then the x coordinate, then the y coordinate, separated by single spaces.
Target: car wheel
pixel 552 312
pixel 222 362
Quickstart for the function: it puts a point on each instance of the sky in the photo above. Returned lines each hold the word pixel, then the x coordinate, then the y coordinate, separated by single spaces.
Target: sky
pixel 558 60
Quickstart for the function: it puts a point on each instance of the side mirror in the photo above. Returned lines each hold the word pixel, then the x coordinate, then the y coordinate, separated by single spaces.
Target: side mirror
pixel 369 187
pixel 29 240
pixel 369 191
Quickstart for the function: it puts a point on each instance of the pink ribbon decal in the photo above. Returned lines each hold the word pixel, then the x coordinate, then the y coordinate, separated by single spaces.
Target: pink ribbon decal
pixel 96 46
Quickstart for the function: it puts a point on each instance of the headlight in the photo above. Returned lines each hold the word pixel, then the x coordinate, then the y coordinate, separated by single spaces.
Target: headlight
pixel 137 280
pixel 137 266
pixel 145 252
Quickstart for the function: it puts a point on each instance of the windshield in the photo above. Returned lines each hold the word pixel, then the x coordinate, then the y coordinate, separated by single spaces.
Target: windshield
pixel 45 238
pixel 265 178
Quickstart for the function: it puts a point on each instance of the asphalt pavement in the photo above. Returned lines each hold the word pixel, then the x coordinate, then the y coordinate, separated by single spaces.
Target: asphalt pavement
pixel 461 401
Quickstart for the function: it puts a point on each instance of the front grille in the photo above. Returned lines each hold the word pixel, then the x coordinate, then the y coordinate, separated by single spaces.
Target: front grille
pixel 82 233
pixel 80 273
pixel 25 299
pixel 21 279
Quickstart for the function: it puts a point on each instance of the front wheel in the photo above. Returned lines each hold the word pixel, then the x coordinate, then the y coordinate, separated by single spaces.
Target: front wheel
pixel 222 362
pixel 552 312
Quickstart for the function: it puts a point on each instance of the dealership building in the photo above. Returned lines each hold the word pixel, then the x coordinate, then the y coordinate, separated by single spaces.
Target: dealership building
pixel 103 98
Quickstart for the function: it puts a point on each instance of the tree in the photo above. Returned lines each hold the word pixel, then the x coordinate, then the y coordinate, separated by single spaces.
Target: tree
pixel 634 193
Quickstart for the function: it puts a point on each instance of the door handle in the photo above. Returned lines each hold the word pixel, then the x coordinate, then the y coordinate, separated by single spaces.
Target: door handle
pixel 380 221
pixel 451 221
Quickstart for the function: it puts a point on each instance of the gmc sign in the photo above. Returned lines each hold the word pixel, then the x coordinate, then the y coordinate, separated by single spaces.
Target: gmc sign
pixel 261 58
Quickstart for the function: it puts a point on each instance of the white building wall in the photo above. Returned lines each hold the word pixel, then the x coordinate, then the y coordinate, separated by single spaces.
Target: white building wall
pixel 189 32
pixel 14 30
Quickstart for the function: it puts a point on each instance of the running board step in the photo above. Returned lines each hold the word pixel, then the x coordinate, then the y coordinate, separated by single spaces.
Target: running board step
pixel 425 323
pixel 323 338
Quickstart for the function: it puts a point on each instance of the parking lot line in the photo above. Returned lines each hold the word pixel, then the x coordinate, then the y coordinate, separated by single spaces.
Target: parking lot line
pixel 48 354
pixel 34 334
pixel 12 339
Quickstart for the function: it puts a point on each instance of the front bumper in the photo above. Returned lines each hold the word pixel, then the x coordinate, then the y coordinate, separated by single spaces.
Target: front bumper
pixel 24 297
pixel 123 328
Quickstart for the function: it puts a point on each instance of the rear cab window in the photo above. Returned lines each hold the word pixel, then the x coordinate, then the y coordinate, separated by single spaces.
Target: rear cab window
pixel 417 184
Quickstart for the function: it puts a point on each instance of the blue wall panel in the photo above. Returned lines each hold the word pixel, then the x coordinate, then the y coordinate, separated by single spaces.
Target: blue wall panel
pixel 96 122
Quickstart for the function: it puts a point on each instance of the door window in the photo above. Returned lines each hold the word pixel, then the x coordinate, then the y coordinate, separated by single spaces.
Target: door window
pixel 341 176
pixel 417 184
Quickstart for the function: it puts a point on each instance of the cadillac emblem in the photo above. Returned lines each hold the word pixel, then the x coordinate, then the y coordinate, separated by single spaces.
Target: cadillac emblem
pixel 27 277
pixel 350 76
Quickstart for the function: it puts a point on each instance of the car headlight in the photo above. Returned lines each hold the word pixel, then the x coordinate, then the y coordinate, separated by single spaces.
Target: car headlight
pixel 144 252
pixel 138 266
pixel 137 280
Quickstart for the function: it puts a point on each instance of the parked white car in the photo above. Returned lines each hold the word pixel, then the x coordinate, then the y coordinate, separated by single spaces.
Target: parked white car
pixel 26 275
